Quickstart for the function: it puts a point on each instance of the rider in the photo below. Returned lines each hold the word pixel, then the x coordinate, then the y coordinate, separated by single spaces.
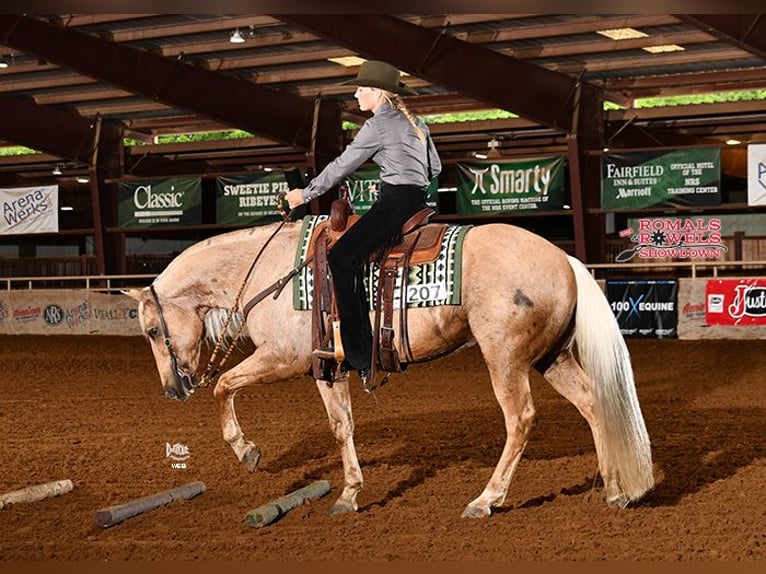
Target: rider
pixel 400 143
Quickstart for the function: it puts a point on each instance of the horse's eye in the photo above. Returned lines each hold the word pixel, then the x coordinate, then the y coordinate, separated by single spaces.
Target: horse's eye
pixel 153 333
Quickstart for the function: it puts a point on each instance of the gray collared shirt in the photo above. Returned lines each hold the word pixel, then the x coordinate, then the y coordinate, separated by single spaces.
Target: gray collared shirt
pixel 389 140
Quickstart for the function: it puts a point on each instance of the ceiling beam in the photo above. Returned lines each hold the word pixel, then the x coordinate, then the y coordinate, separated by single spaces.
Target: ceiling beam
pixel 539 94
pixel 746 31
pixel 52 131
pixel 282 116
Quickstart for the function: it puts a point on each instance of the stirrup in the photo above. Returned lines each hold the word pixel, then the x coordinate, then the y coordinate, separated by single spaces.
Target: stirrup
pixel 325 353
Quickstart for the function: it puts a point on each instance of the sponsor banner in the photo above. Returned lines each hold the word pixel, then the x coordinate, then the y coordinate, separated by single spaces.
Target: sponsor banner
pixel 682 177
pixel 29 210
pixel 645 309
pixel 756 174
pixel 362 188
pixel 244 199
pixel 160 202
pixel 511 186
pixel 676 238
pixel 740 302
pixel 67 312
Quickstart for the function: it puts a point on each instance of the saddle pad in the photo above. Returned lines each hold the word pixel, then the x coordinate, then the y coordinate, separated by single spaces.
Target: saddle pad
pixel 428 284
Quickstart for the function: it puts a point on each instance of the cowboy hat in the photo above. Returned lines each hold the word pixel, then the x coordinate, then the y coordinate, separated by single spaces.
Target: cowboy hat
pixel 376 74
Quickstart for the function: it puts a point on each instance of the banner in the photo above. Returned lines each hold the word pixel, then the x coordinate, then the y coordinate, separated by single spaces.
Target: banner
pixel 243 199
pixel 645 309
pixel 682 177
pixel 362 187
pixel 756 174
pixel 160 202
pixel 736 302
pixel 30 210
pixel 509 186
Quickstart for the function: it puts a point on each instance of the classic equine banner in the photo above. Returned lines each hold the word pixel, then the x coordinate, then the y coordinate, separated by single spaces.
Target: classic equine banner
pixel 362 187
pixel 645 309
pixel 160 202
pixel 740 302
pixel 507 186
pixel 243 199
pixel 680 177
pixel 756 174
pixel 30 210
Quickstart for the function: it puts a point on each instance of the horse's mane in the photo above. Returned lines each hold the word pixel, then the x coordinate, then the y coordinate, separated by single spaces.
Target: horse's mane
pixel 215 321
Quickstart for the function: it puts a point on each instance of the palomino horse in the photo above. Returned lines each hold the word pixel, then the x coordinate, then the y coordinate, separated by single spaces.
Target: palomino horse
pixel 524 302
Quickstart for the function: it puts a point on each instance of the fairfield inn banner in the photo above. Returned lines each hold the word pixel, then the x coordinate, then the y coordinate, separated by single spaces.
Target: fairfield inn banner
pixel 160 202
pixel 682 177
pixel 244 199
pixel 29 210
pixel 509 186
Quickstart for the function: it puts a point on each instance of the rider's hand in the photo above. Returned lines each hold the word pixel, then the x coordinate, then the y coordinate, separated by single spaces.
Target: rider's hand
pixel 294 198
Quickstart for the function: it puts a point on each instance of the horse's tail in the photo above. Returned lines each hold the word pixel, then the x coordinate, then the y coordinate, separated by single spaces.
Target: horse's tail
pixel 626 453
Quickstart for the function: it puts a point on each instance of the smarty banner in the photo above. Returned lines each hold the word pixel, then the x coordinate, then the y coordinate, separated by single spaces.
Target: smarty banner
pixel 245 199
pixel 682 177
pixel 160 202
pixel 740 302
pixel 510 186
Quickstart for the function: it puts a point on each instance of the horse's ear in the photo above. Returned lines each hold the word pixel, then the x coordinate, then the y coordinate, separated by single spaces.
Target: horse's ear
pixel 137 294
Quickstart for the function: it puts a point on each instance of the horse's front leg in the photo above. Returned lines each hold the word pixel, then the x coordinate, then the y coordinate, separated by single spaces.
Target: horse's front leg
pixel 244 374
pixel 337 402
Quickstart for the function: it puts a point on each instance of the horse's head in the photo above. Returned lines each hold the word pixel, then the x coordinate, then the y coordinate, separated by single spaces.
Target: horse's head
pixel 174 334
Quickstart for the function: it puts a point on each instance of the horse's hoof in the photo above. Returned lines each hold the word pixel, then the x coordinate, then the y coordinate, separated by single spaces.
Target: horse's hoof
pixel 620 501
pixel 474 512
pixel 341 508
pixel 251 458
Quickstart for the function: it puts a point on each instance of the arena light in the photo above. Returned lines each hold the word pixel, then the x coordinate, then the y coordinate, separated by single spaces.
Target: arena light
pixel 236 37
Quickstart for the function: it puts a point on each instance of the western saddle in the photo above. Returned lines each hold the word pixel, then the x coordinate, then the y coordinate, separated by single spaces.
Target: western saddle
pixel 421 243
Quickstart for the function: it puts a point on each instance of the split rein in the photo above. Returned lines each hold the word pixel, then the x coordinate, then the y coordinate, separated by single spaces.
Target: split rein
pixel 216 361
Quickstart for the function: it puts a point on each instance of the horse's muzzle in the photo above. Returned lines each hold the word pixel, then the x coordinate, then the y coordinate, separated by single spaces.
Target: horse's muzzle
pixel 183 386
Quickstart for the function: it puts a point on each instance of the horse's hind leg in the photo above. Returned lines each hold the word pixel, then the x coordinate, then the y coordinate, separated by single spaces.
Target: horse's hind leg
pixel 511 386
pixel 337 402
pixel 567 377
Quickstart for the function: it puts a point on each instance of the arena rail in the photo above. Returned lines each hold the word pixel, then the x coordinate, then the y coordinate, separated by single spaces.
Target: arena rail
pixel 114 283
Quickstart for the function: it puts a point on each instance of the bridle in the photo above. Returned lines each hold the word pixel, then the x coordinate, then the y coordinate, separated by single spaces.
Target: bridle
pixel 187 380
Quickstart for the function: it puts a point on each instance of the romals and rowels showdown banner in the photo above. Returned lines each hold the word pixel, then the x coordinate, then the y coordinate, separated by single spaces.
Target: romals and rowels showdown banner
pixel 29 210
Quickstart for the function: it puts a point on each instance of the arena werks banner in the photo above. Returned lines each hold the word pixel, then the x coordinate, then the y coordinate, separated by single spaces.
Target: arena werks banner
pixel 160 202
pixel 244 199
pixel 740 302
pixel 509 186
pixel 756 174
pixel 29 210
pixel 681 177
pixel 645 309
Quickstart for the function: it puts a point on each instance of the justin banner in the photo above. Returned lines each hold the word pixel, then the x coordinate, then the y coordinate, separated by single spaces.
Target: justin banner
pixel 740 302
pixel 682 177
pixel 30 210
pixel 756 174
pixel 492 187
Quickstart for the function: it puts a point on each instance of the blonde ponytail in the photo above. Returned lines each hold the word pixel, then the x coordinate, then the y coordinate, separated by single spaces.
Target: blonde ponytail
pixel 396 102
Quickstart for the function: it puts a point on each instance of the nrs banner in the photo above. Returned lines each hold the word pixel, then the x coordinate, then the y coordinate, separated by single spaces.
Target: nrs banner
pixel 30 210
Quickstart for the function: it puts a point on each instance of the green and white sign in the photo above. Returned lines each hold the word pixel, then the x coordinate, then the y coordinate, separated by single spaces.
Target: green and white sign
pixel 244 199
pixel 160 202
pixel 509 186
pixel 362 186
pixel 682 177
